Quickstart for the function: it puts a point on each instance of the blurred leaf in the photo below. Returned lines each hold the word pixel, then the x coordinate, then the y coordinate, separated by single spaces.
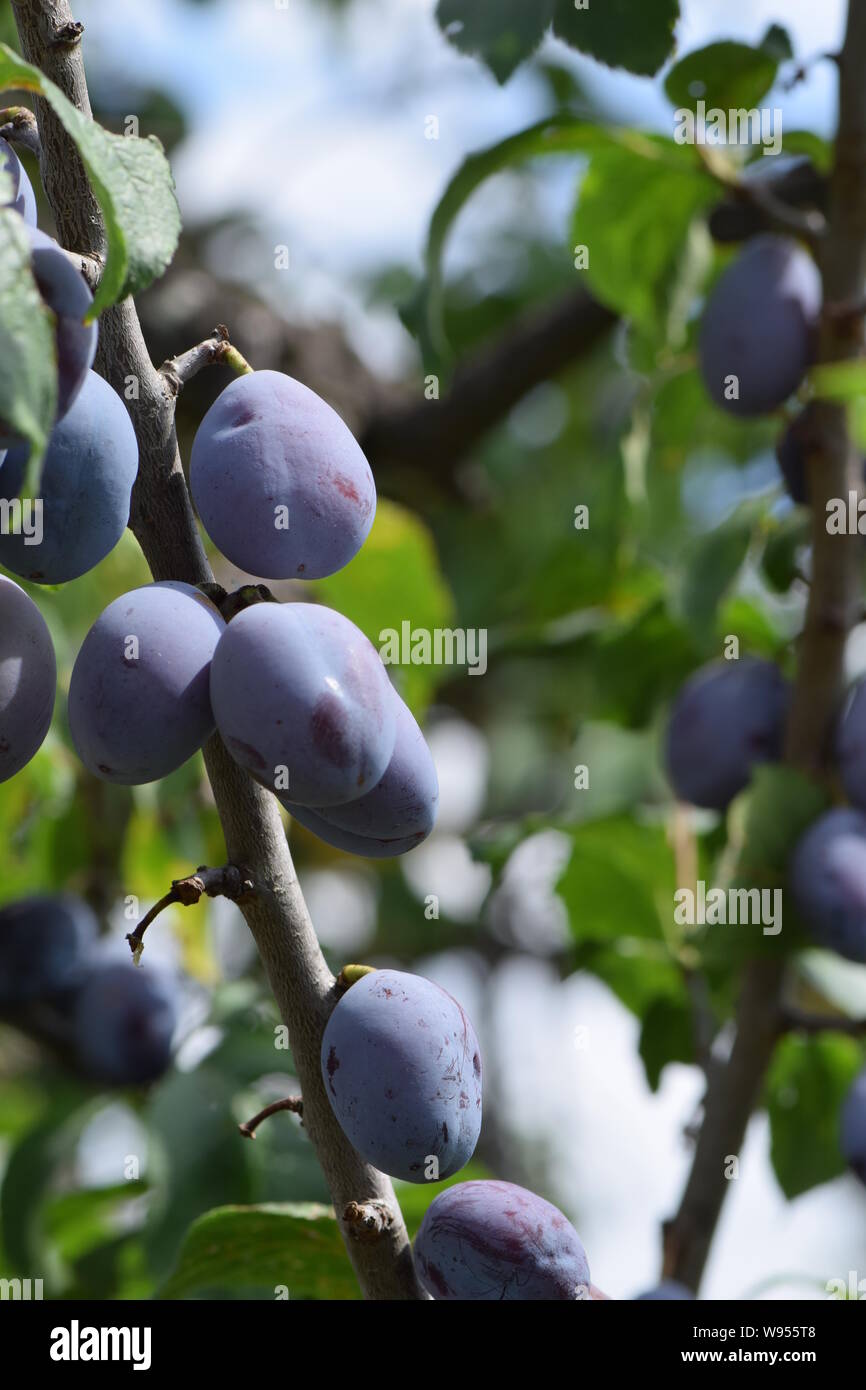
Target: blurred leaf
pixel 777 42
pixel 28 357
pixel 77 1221
pixel 781 803
pixel 297 1245
pixel 806 1085
pixel 728 75
pixel 714 563
pixel 395 579
pixel 618 876
pixel 501 32
pixel 29 1171
pixel 637 201
pixel 839 381
pixel 131 181
pixel 621 34
pixel 667 1035
pixel 779 561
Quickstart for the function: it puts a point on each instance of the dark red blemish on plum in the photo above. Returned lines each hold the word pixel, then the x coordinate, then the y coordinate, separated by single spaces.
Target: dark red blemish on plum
pixel 249 753
pixel 464 1101
pixel 436 1278
pixel 444 1132
pixel 346 487
pixel 244 416
pixel 389 1094
pixel 333 1064
pixel 301 568
pixel 326 727
pixel 476 1064
pixel 103 767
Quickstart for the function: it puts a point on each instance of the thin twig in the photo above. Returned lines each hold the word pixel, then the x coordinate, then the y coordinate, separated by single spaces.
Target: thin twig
pixel 293 1103
pixel 226 882
pixel 797 1021
pixel 216 349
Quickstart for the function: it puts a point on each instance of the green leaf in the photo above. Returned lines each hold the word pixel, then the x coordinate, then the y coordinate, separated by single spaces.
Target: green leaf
pixel 395 579
pixel 77 1221
pixel 131 181
pixel 620 33
pixel 777 42
pixel 667 1035
pixel 782 803
pixel 501 32
pixel 730 76
pixel 637 202
pixel 713 566
pixel 296 1245
pixel 806 1086
pixel 620 874
pixel 28 359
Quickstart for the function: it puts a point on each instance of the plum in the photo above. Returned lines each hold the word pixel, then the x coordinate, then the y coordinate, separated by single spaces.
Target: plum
pixel 28 679
pixel 123 1024
pixel 494 1241
pixel 281 485
pixel 402 1070
pixel 139 701
pixel 728 717
pixel 827 876
pixel 760 325
pixel 44 944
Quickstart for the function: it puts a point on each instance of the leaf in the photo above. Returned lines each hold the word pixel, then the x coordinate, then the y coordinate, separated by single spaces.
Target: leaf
pixel 294 1244
pixel 782 803
pixel 637 202
pixel 131 181
pixel 394 580
pixel 28 1173
pixel 777 42
pixel 28 357
pixel 501 32
pixel 618 874
pixel 620 33
pixel 667 1035
pixel 806 1086
pixel 729 76
pixel 78 1221
pixel 560 134
pixel 713 566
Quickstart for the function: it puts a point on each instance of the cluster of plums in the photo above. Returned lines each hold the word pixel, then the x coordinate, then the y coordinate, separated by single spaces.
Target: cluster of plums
pixel 113 1023
pixel 401 1067
pixel 298 693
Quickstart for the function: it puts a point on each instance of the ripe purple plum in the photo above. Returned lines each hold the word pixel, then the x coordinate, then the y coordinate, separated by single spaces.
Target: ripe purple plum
pixel 853 1127
pixel 667 1290
pixel 63 289
pixel 827 876
pixel 44 945
pixel 28 679
pixel 760 326
pixel 87 478
pixel 402 1069
pixel 281 485
pixel 139 702
pixel 123 1024
pixel 303 702
pixel 494 1241
pixel 366 846
pixel 728 717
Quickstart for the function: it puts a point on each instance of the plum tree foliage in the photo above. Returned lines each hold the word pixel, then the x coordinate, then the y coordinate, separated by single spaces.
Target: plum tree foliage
pixel 617 625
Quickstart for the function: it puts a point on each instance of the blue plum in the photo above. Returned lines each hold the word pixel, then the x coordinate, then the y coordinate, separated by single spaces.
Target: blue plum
pixel 402 1070
pixel 23 198
pixel 853 1127
pixel 139 702
pixel 397 814
pixel 667 1289
pixel 728 717
pixel 28 678
pixel 87 478
pixel 760 325
pixel 44 946
pixel 827 877
pixel 303 702
pixel 279 481
pixel 64 291
pixel 851 745
pixel 792 450
pixel 366 846
pixel 494 1241
pixel 123 1024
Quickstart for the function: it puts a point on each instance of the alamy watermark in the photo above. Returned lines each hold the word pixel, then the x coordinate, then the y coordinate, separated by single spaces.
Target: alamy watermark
pixel 737 126
pixel 753 907
pixel 19 518
pixel 438 646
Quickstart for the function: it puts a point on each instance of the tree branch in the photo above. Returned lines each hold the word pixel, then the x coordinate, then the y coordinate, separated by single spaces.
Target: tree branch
pixel 163 523
pixel 734 1090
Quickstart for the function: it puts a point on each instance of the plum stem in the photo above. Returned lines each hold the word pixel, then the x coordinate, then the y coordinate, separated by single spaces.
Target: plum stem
pixel 229 881
pixel 350 974
pixel 217 349
pixel 293 1103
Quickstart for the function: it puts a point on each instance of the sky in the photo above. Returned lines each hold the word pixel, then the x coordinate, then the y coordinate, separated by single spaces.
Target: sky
pixel 319 134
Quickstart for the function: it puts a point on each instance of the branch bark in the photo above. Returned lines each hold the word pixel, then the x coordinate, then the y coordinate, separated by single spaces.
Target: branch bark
pixel 734 1090
pixel 163 522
